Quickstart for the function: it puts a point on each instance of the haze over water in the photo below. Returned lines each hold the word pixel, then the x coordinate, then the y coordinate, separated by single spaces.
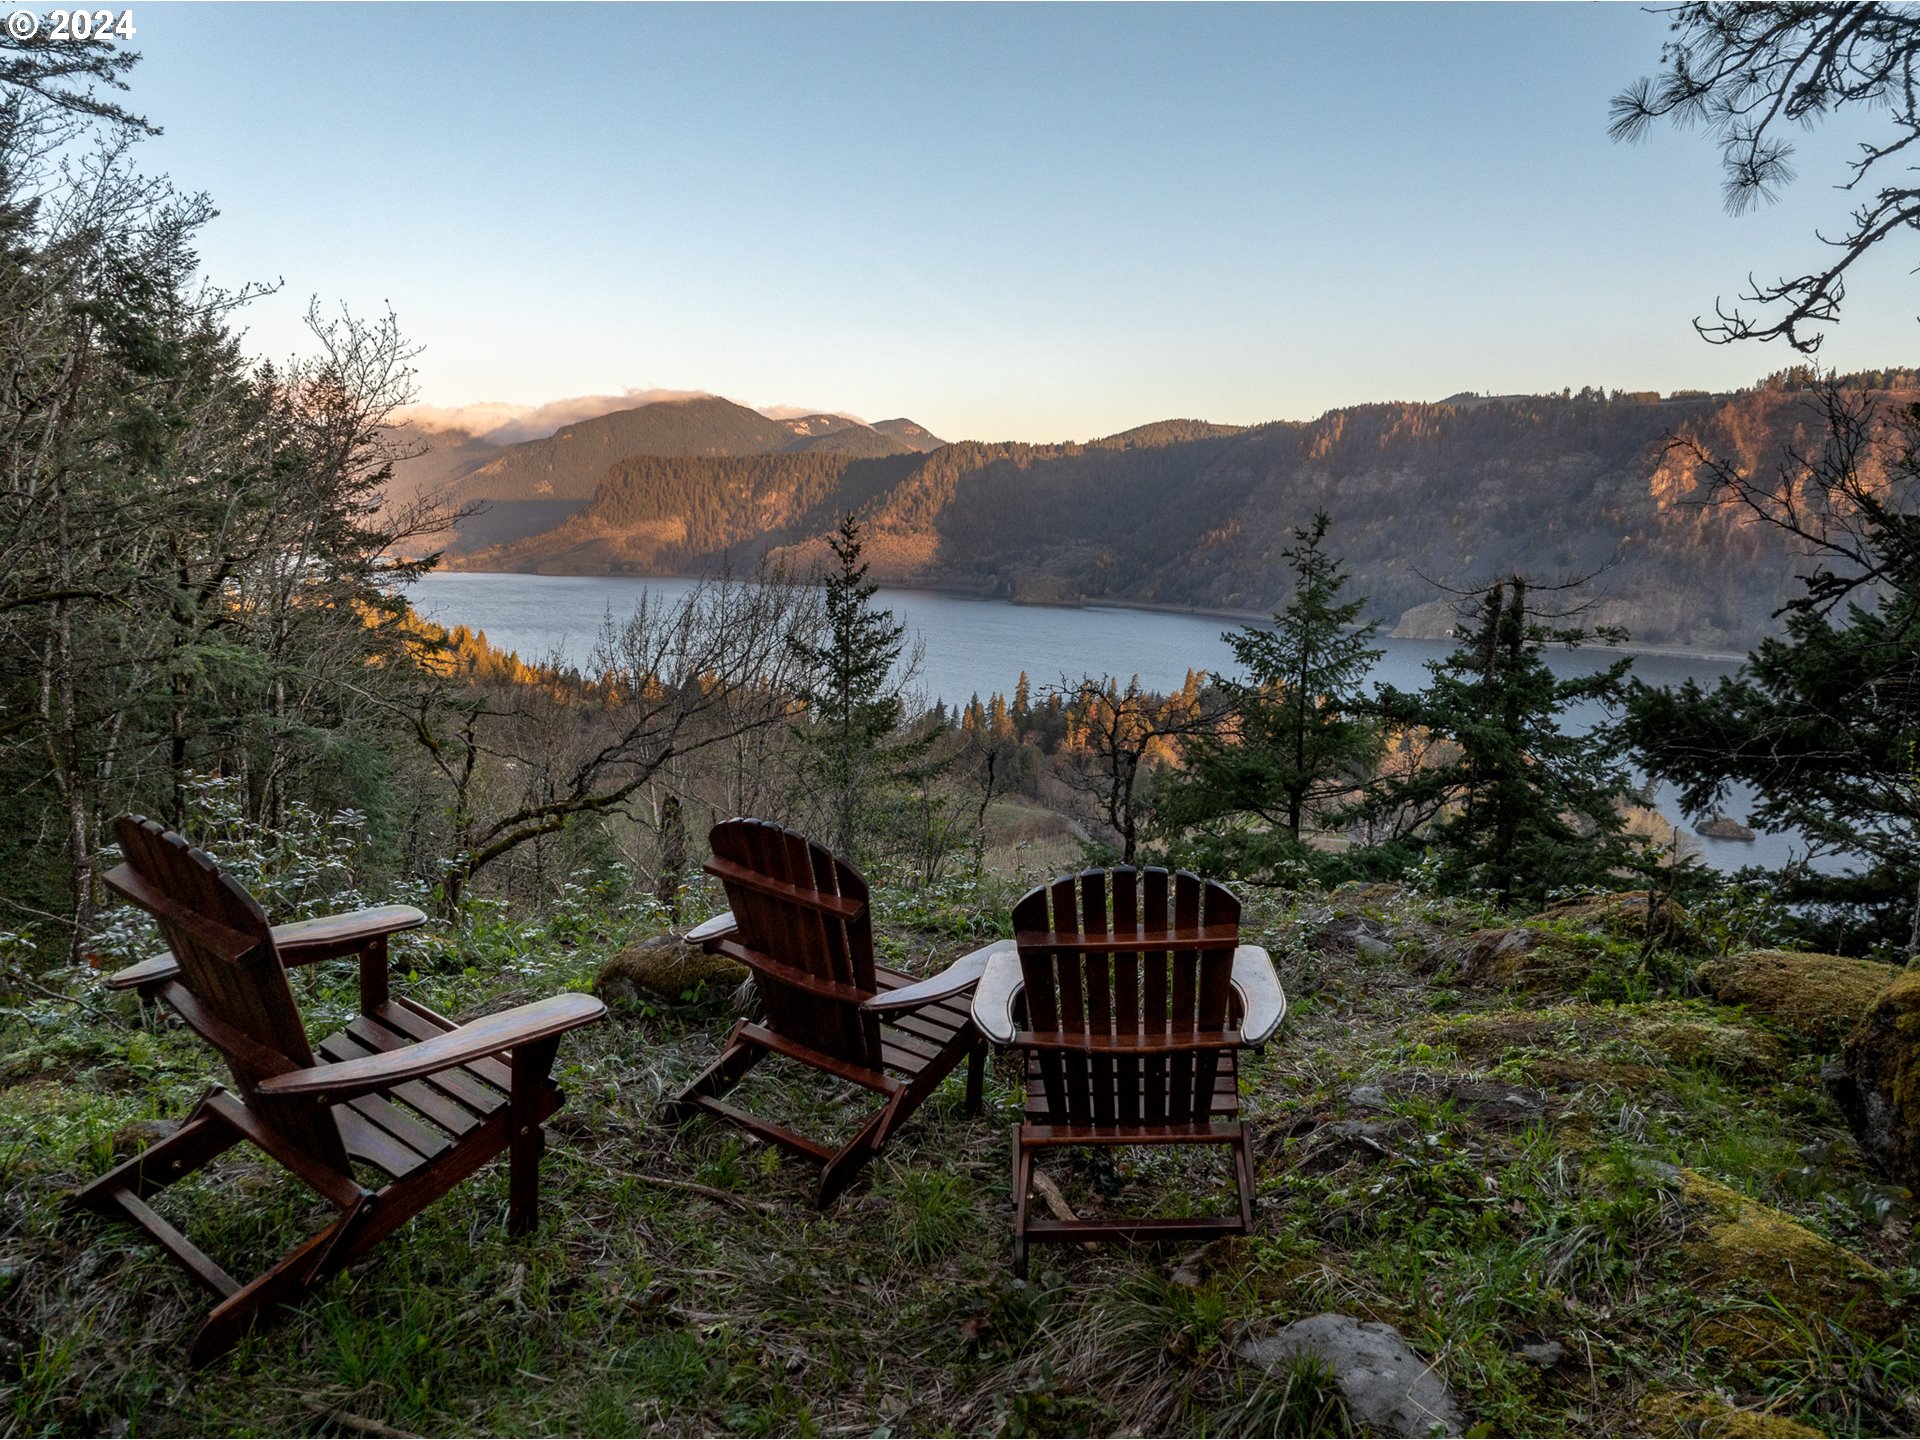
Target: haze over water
pixel 977 646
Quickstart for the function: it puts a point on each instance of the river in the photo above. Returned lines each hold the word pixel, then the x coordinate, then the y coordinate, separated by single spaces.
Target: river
pixel 976 646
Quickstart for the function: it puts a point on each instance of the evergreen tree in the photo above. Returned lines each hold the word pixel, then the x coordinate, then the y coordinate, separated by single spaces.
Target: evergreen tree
pixel 854 703
pixel 1824 721
pixel 1298 735
pixel 1515 803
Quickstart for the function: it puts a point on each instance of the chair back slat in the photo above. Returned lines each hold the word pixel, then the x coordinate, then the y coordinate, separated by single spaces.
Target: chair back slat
pixel 1118 960
pixel 220 936
pixel 800 908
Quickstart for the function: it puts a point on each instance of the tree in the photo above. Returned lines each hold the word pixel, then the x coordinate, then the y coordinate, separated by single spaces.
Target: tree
pixel 1750 74
pixel 189 544
pixel 1514 804
pixel 1116 739
pixel 1824 721
pixel 1298 735
pixel 854 703
pixel 527 755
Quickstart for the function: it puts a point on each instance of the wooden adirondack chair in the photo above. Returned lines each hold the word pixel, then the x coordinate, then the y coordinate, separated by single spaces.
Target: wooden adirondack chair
pixel 1125 994
pixel 401 1090
pixel 801 922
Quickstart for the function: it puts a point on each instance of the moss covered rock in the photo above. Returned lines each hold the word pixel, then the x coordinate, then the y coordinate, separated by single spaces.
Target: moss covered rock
pixel 1877 1082
pixel 1629 1046
pixel 664 967
pixel 1625 917
pixel 1820 996
pixel 1668 1413
pixel 1526 959
pixel 1774 1275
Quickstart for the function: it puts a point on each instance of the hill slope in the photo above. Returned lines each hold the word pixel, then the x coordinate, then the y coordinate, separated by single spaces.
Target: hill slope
pixel 529 487
pixel 1186 514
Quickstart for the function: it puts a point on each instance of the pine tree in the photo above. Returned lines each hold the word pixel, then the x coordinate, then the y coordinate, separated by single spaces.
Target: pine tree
pixel 1299 735
pixel 1519 805
pixel 854 703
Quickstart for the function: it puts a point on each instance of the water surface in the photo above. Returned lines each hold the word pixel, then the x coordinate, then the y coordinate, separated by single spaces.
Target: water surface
pixel 975 646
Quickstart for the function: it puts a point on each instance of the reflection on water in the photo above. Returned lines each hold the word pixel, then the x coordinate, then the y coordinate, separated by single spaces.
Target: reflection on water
pixel 976 646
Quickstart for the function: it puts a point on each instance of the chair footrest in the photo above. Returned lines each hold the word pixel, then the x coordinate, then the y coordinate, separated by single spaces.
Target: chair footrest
pixel 779 1134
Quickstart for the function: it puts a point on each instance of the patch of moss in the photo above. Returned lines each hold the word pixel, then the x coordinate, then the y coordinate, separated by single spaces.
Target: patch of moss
pixel 1614 1042
pixel 1820 996
pixel 1777 1274
pixel 1668 1413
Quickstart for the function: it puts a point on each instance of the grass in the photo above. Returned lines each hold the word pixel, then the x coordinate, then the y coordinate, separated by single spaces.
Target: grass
pixel 1474 1225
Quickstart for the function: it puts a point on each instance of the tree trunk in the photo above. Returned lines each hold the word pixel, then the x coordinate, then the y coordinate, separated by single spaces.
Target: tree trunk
pixel 1913 939
pixel 673 857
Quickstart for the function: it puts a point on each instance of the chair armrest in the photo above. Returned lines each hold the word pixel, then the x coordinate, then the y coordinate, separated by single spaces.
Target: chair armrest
pixel 993 997
pixel 717 928
pixel 1263 1004
pixel 301 943
pixel 153 970
pixel 490 1035
pixel 331 936
pixel 961 975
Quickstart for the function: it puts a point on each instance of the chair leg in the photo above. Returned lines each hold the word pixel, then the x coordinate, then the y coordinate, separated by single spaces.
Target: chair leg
pixel 532 1064
pixel 285 1283
pixel 1022 1183
pixel 976 1076
pixel 738 1057
pixel 1243 1174
pixel 839 1172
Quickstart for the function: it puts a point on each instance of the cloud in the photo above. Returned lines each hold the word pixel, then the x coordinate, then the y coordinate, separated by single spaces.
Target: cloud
pixel 504 423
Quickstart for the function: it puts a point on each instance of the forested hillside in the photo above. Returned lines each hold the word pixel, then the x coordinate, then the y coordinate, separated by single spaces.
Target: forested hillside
pixel 1191 514
pixel 514 491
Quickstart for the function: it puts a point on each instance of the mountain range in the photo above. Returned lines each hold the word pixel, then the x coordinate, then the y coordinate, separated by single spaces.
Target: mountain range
pixel 1424 498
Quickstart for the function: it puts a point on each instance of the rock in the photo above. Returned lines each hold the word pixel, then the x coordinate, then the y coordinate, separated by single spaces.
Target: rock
pixel 1492 1101
pixel 1623 915
pixel 1367 1097
pixel 132 1138
pixel 1747 1252
pixel 1546 1354
pixel 1877 1082
pixel 1667 1413
pixel 1389 1390
pixel 1372 948
pixel 1724 827
pixel 664 967
pixel 1495 1103
pixel 1501 957
pixel 1821 996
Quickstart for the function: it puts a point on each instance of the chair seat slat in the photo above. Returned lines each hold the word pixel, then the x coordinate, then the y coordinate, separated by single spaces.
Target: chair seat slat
pixel 442 1109
pixel 367 1141
pixel 412 1023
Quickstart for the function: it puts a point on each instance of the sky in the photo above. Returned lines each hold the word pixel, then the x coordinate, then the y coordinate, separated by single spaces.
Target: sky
pixel 1002 221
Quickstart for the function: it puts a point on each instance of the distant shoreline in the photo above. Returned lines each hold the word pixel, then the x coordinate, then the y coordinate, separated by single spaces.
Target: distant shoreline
pixel 1238 617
